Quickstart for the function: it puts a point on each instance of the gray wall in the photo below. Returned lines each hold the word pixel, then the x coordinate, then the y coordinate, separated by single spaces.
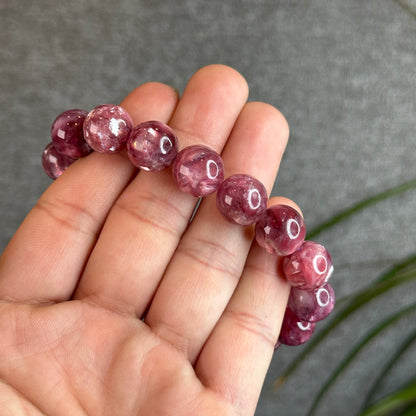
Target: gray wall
pixel 341 71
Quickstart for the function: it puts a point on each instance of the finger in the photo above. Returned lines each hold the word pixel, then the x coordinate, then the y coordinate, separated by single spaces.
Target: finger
pixel 235 359
pixel 45 258
pixel 208 263
pixel 148 220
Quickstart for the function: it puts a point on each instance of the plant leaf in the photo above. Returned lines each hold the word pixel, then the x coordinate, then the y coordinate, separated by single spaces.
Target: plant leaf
pixel 394 401
pixel 358 347
pixel 360 299
pixel 388 366
pixel 359 206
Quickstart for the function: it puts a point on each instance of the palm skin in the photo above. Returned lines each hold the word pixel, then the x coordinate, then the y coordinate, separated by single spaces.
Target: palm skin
pixel 81 272
pixel 77 358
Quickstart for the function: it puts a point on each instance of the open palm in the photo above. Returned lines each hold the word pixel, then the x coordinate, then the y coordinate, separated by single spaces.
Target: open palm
pixel 114 303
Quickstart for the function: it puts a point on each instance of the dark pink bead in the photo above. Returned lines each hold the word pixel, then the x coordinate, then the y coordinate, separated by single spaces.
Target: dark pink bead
pixel 281 230
pixel 152 145
pixel 107 127
pixel 308 267
pixel 67 134
pixel 295 332
pixel 312 305
pixel 242 199
pixel 198 170
pixel 55 163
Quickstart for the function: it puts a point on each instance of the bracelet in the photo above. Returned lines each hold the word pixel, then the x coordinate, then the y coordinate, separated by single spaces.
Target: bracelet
pixel 199 171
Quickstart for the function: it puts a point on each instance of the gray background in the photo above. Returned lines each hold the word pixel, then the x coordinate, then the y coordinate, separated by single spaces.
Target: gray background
pixel 343 72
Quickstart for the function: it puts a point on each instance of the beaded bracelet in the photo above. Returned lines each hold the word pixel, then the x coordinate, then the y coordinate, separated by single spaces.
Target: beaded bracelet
pixel 199 171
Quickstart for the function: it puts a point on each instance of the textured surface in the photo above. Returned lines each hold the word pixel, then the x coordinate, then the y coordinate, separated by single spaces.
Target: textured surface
pixel 341 71
pixel 242 199
pixel 152 145
pixel 198 170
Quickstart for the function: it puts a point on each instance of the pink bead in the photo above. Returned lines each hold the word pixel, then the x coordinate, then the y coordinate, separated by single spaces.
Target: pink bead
pixel 152 145
pixel 308 267
pixel 312 305
pixel 295 332
pixel 55 163
pixel 242 199
pixel 281 230
pixel 198 170
pixel 107 127
pixel 67 134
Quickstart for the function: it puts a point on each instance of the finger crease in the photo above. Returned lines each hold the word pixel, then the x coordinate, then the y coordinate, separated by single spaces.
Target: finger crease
pixel 69 215
pixel 146 220
pixel 153 211
pixel 212 255
pixel 253 325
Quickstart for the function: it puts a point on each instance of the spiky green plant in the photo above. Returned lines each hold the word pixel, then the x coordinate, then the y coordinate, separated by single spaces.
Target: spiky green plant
pixel 403 400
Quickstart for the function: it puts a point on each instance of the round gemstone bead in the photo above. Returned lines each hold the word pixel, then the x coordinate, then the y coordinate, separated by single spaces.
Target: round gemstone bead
pixel 198 170
pixel 242 199
pixel 308 267
pixel 152 145
pixel 67 134
pixel 281 230
pixel 55 163
pixel 295 332
pixel 312 305
pixel 107 127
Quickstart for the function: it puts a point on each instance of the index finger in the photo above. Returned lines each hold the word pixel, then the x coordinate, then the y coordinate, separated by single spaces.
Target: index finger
pixel 45 258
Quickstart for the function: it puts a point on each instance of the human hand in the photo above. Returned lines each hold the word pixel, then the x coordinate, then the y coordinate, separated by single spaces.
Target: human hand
pixel 106 246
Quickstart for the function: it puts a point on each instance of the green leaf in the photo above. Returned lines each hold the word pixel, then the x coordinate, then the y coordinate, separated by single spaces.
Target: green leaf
pixel 361 205
pixel 409 263
pixel 358 347
pixel 409 411
pixel 407 343
pixel 395 401
pixel 360 299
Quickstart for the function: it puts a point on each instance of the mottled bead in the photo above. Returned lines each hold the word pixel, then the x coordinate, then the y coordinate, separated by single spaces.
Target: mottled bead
pixel 308 267
pixel 295 332
pixel 152 145
pixel 312 305
pixel 198 170
pixel 67 134
pixel 55 163
pixel 242 199
pixel 107 127
pixel 281 230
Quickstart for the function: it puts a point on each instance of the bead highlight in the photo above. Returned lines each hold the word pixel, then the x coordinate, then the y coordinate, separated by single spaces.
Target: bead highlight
pixel 198 170
pixel 55 163
pixel 281 230
pixel 242 199
pixel 294 331
pixel 152 146
pixel 312 305
pixel 107 127
pixel 67 134
pixel 309 267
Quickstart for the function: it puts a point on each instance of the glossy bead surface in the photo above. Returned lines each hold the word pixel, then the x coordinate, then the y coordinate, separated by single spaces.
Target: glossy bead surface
pixel 242 199
pixel 152 145
pixel 67 134
pixel 312 305
pixel 281 230
pixel 295 332
pixel 198 170
pixel 308 267
pixel 55 163
pixel 107 127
